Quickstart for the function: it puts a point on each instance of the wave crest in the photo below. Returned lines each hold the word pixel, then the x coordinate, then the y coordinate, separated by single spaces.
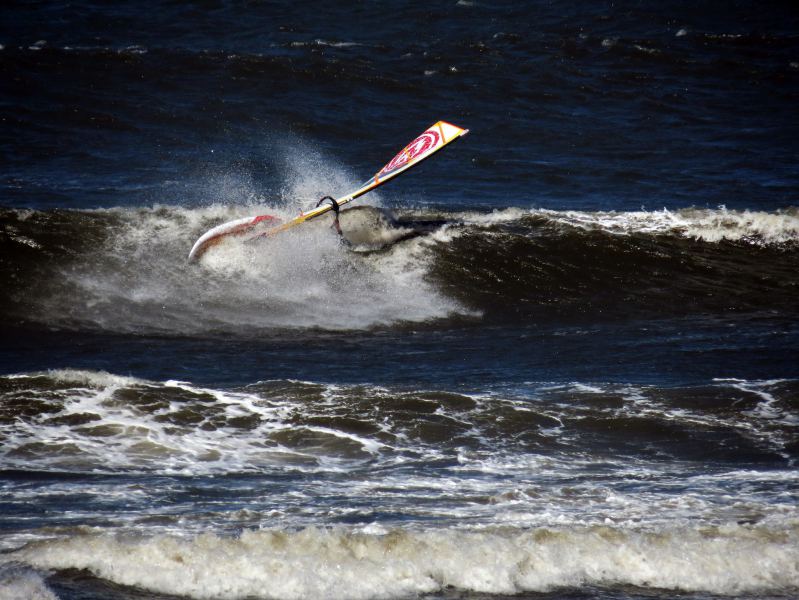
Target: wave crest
pixel 318 563
pixel 125 270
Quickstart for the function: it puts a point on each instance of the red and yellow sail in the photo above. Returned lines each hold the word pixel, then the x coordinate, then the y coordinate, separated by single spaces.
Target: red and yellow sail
pixel 430 141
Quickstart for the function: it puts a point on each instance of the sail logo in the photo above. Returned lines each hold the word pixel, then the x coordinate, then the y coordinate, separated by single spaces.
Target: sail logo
pixel 427 141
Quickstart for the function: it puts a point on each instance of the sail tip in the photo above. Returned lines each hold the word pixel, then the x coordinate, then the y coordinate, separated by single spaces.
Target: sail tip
pixel 450 131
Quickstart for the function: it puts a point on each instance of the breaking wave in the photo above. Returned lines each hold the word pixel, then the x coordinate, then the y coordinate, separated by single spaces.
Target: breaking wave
pixel 125 270
pixel 318 563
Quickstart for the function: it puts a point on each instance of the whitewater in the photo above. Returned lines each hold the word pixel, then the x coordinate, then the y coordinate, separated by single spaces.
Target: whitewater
pixel 558 360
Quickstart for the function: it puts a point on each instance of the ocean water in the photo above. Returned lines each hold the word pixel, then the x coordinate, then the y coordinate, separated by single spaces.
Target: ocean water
pixel 560 360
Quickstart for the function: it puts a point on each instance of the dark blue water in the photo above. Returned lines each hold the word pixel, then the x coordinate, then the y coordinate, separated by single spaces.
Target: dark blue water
pixel 559 359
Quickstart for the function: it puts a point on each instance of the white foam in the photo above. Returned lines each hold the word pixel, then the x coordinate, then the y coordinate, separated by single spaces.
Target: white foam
pixel 97 379
pixel 303 278
pixel 315 563
pixel 645 49
pixel 709 225
pixel 494 217
pixel 321 42
pixel 18 582
pixel 121 436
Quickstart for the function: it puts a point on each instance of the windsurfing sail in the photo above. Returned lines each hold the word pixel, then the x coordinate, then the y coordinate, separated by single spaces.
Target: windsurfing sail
pixel 433 139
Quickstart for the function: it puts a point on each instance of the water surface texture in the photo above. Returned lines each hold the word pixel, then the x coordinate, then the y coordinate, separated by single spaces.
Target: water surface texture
pixel 559 360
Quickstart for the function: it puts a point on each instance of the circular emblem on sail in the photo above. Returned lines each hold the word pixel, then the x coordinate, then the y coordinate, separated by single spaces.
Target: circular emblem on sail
pixel 425 142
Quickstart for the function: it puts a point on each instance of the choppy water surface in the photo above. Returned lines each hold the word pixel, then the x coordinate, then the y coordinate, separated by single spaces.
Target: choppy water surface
pixel 560 360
